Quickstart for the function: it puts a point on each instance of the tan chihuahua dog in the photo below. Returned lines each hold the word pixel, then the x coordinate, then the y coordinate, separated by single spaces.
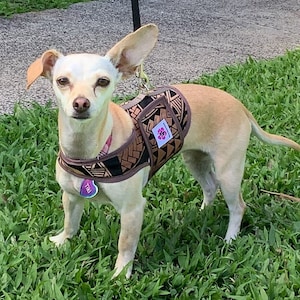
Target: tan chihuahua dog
pixel 214 147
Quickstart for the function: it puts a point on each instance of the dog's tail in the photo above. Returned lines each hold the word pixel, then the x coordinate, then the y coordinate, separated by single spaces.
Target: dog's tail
pixel 268 137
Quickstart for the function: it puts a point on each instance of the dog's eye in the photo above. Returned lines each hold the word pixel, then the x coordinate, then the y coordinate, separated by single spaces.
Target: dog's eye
pixel 63 81
pixel 103 82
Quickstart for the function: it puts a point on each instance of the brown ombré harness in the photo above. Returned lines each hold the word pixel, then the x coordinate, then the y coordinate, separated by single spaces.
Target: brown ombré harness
pixel 162 114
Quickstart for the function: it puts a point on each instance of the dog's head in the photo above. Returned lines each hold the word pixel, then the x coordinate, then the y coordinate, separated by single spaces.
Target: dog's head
pixel 84 83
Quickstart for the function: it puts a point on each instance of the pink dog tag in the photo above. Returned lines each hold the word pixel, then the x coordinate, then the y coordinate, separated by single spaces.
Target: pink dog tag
pixel 88 189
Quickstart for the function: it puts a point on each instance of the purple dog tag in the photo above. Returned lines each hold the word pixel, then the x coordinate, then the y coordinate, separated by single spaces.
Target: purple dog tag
pixel 88 188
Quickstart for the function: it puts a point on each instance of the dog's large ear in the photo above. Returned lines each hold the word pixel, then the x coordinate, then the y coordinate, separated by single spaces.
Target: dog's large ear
pixel 42 66
pixel 130 52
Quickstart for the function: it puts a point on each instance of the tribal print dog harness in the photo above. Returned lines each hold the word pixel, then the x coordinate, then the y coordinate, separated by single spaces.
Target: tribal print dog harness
pixel 161 121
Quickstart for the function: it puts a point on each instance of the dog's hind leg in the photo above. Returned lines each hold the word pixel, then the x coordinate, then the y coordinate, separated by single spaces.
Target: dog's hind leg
pixel 73 209
pixel 201 167
pixel 229 173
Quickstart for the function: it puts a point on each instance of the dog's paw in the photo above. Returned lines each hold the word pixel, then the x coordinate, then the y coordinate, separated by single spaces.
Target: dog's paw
pixel 230 237
pixel 123 270
pixel 59 239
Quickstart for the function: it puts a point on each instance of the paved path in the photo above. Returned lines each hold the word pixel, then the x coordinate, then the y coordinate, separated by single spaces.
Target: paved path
pixel 196 37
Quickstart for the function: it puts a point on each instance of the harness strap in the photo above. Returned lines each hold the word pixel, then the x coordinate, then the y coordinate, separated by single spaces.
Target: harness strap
pixel 113 167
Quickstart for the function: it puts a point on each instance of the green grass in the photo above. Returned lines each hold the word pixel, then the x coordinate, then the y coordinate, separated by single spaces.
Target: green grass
pixel 11 7
pixel 181 254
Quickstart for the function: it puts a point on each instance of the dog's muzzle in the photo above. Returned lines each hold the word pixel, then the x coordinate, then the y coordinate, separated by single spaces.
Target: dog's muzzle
pixel 81 106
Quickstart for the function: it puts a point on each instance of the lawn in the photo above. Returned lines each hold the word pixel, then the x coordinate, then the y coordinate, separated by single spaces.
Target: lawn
pixel 181 253
pixel 10 7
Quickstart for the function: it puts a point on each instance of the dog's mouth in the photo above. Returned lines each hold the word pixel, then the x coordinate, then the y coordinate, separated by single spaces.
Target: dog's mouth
pixel 81 116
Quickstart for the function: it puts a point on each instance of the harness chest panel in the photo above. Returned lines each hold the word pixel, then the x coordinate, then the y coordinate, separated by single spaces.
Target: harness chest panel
pixel 161 121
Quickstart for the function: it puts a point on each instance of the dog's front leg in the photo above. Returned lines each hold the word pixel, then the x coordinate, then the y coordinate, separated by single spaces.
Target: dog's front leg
pixel 73 209
pixel 131 224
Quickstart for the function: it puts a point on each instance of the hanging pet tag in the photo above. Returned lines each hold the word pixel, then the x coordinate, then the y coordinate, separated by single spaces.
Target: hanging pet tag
pixel 88 189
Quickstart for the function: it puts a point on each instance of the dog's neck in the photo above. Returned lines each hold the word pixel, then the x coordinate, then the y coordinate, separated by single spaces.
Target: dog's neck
pixel 83 139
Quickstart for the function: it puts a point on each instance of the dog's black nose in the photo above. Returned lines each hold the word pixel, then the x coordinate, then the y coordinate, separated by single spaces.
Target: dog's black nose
pixel 81 104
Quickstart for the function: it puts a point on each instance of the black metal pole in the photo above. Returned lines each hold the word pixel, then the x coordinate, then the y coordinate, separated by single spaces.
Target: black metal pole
pixel 136 14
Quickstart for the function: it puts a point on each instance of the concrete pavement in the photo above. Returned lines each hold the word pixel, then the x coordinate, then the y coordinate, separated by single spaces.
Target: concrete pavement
pixel 196 37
